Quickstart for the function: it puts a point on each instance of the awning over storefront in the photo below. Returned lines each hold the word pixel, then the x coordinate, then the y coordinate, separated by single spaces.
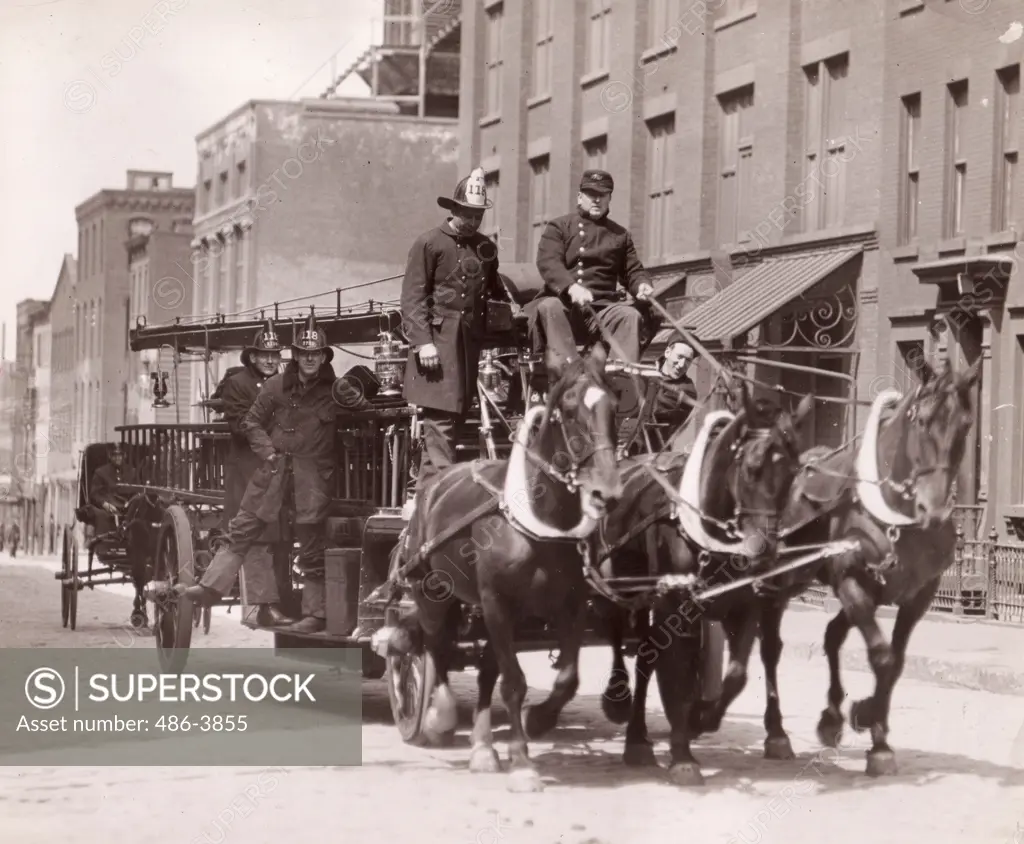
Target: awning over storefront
pixel 760 293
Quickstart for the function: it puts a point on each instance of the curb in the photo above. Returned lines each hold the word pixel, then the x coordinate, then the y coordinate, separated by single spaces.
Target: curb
pixel 997 680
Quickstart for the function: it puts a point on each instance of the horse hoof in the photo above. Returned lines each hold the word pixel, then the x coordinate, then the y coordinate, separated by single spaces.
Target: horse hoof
pixel 779 748
pixel 538 721
pixel 439 739
pixel 639 755
pixel 830 729
pixel 686 774
pixel 484 760
pixel 524 781
pixel 617 709
pixel 881 763
pixel 861 715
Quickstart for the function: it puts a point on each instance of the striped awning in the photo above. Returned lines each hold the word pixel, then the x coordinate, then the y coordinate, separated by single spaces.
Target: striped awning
pixel 760 293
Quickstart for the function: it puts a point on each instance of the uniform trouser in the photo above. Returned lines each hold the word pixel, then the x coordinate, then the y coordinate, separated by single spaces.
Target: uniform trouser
pixel 244 531
pixel 102 521
pixel 440 430
pixel 559 328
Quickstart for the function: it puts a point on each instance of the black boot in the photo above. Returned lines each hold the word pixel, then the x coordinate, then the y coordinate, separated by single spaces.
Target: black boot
pixel 199 594
pixel 309 624
pixel 269 615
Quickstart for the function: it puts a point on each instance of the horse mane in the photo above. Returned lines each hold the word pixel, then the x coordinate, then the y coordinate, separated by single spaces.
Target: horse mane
pixel 718 457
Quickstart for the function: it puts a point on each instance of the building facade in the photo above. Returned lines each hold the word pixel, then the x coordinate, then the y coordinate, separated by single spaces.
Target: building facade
pixel 101 313
pixel 296 199
pixel 159 292
pixel 44 507
pixel 744 141
pixel 951 218
pixel 61 462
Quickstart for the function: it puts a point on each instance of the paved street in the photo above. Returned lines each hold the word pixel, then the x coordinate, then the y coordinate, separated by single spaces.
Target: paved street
pixel 961 754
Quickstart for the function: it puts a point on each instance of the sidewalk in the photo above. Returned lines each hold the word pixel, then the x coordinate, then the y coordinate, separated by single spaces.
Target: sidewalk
pixel 972 654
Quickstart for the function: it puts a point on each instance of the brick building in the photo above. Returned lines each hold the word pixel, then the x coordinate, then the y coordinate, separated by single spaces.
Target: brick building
pixel 94 332
pixel 160 291
pixel 744 145
pixel 61 462
pixel 951 215
pixel 296 199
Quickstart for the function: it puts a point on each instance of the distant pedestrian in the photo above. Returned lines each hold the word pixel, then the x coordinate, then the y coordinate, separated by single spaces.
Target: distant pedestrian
pixel 14 537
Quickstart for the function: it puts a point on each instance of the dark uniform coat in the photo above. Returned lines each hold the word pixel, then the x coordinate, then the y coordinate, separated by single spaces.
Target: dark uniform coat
pixel 103 488
pixel 448 280
pixel 598 253
pixel 297 423
pixel 670 401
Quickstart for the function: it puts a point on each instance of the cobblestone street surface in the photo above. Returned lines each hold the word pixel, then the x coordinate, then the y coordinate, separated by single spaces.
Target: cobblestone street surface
pixel 961 755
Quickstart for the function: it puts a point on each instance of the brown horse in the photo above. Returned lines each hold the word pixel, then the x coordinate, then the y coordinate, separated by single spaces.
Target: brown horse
pixel 515 557
pixel 721 525
pixel 893 497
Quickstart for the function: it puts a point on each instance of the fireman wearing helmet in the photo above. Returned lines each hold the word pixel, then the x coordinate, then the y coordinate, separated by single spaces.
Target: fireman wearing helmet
pixel 291 428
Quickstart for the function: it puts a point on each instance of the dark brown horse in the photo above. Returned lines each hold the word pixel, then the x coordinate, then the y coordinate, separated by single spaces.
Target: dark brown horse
pixel 721 525
pixel 515 557
pixel 893 497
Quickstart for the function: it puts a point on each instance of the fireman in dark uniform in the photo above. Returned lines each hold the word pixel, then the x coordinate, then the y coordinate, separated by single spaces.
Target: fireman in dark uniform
pixel 451 272
pixel 106 501
pixel 292 429
pixel 677 395
pixel 237 392
pixel 583 258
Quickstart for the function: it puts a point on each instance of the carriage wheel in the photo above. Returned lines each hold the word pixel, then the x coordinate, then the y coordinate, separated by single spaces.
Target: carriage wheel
pixel 65 571
pixel 174 563
pixel 76 584
pixel 203 559
pixel 410 681
pixel 207 619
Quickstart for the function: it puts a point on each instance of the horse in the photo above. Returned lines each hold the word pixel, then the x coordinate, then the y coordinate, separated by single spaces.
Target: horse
pixel 894 499
pixel 514 555
pixel 734 484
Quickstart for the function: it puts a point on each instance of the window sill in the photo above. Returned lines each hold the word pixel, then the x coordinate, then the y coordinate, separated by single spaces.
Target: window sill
pixel 489 120
pixel 726 21
pixel 593 78
pixel 492 4
pixel 1005 238
pixel 907 252
pixel 654 53
pixel 908 7
pixel 539 100
pixel 952 244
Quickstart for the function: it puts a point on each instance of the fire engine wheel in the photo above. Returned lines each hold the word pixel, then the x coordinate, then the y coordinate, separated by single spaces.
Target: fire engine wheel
pixel 410 680
pixel 203 559
pixel 175 564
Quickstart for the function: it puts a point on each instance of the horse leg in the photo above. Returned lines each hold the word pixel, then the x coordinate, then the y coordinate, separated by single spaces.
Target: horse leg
pixel 616 701
pixel 541 719
pixel 741 628
pixel 639 748
pixel 483 758
pixel 874 712
pixel 523 775
pixel 678 671
pixel 776 743
pixel 830 725
pixel 442 716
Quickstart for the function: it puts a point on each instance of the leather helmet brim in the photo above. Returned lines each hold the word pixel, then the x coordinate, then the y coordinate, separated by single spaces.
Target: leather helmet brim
pixel 449 204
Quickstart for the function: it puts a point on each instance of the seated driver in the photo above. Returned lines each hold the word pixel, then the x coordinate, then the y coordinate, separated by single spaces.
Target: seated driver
pixel 106 501
pixel 677 395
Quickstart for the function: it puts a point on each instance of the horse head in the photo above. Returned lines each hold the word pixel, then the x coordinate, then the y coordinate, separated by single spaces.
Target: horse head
pixel 924 441
pixel 582 406
pixel 762 461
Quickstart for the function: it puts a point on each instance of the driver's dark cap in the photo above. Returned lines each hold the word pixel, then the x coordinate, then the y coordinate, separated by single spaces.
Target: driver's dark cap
pixel 597 181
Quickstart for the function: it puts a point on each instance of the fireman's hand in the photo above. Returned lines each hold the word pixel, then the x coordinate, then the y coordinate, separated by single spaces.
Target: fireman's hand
pixel 427 354
pixel 579 294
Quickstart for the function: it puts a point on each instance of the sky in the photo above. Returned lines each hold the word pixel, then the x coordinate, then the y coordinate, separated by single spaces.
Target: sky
pixel 92 88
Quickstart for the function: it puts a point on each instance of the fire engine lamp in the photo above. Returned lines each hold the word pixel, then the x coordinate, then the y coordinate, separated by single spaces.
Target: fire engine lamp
pixel 159 380
pixel 389 359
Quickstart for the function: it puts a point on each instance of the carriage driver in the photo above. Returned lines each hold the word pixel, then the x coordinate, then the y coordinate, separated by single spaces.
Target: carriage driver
pixel 103 495
pixel 583 257
pixel 676 396
pixel 238 390
pixel 451 272
pixel 292 428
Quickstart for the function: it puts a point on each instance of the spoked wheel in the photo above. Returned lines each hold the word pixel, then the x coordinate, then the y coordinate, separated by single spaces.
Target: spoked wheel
pixel 65 573
pixel 410 681
pixel 76 582
pixel 172 624
pixel 203 559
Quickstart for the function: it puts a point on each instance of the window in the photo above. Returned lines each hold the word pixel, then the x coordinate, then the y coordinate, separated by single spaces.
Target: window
pixel 598 36
pixel 400 23
pixel 910 174
pixel 1018 401
pixel 241 241
pixel 736 158
pixel 207 202
pixel 907 365
pixel 227 296
pixel 595 151
pixel 222 188
pixel 660 167
pixel 539 191
pixel 1007 138
pixel 662 15
pixel 243 179
pixel 493 62
pixel 489 226
pixel 99 247
pixel 956 158
pixel 544 37
pixel 825 143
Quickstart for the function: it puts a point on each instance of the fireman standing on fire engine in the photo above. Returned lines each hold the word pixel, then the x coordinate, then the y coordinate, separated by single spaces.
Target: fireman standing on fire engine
pixel 451 272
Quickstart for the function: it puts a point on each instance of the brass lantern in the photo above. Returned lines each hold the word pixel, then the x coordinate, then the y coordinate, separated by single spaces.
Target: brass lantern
pixel 389 357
